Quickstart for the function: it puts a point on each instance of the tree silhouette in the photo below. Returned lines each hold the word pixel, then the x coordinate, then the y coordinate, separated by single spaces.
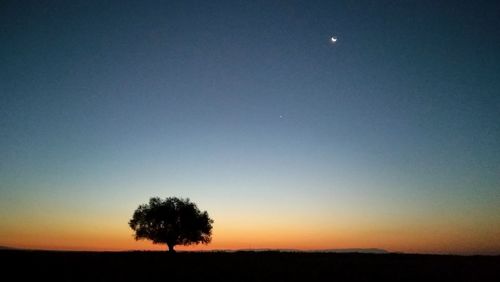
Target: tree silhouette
pixel 173 221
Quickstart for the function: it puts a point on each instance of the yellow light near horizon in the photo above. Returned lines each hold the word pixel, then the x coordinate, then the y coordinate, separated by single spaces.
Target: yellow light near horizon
pixel 446 242
pixel 244 231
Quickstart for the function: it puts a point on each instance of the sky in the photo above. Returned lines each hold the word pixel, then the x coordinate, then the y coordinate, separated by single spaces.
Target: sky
pixel 388 138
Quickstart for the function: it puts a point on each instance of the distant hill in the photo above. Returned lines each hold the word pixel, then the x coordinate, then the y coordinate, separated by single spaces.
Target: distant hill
pixel 362 251
pixel 358 250
pixel 7 248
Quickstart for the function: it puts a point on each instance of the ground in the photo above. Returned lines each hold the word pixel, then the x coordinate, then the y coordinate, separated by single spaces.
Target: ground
pixel 243 266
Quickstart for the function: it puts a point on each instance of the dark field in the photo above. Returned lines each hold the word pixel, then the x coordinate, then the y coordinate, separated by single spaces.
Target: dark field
pixel 243 266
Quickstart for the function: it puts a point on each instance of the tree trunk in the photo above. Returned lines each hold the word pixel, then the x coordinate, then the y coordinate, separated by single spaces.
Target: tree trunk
pixel 171 248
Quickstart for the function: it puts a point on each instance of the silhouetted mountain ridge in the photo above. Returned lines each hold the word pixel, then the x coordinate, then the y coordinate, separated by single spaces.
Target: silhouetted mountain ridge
pixel 7 248
pixel 353 250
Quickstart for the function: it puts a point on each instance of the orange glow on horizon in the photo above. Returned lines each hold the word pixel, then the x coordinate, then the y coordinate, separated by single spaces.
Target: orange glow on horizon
pixel 281 237
pixel 95 232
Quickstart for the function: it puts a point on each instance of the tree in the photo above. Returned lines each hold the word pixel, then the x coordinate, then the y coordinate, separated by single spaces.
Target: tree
pixel 173 221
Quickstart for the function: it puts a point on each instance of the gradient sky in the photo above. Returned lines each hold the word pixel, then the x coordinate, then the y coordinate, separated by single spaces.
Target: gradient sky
pixel 387 139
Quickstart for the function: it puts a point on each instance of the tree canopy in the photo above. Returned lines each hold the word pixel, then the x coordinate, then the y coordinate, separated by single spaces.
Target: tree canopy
pixel 172 221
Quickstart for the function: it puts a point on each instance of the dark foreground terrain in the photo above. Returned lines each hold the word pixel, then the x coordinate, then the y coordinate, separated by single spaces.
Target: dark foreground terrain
pixel 242 266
